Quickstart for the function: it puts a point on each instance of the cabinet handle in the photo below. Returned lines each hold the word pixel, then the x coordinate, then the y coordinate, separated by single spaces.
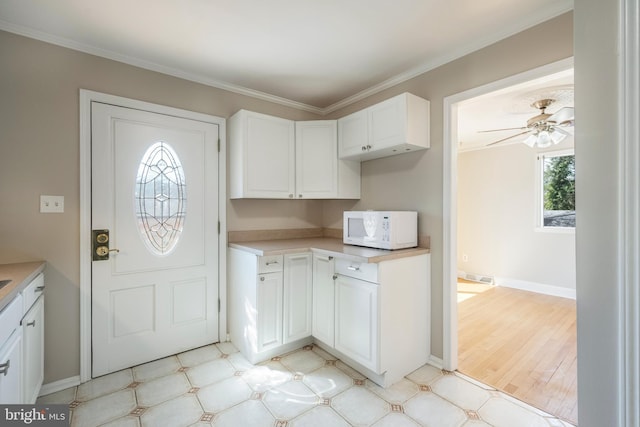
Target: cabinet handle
pixel 368 147
pixel 32 323
pixel 352 268
pixel 262 278
pixel 330 257
pixel 364 148
pixel 4 368
pixel 271 262
pixel 40 289
pixel 335 276
pixel 300 195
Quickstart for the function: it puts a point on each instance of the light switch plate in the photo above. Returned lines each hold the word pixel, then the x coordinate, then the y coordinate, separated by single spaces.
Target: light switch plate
pixel 51 204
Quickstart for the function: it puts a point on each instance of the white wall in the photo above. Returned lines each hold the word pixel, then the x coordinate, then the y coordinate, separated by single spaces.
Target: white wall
pixel 497 221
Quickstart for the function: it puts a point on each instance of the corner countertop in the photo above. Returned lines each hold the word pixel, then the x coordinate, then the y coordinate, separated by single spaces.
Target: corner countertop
pixel 327 245
pixel 20 274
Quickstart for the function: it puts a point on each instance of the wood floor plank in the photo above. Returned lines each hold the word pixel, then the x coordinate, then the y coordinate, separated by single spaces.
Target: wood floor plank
pixel 522 343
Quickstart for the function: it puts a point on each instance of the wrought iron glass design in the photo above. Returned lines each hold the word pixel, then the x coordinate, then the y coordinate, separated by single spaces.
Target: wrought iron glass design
pixel 160 198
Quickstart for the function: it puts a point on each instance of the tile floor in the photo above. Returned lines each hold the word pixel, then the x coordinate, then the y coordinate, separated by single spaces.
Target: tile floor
pixel 216 386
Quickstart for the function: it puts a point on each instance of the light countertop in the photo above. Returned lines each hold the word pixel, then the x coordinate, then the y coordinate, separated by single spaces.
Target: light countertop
pixel 327 245
pixel 20 274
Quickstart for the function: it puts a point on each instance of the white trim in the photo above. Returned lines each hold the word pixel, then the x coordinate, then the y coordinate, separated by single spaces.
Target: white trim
pixel 556 9
pixel 539 288
pixel 450 194
pixel 629 211
pixel 435 361
pixel 59 385
pixel 86 97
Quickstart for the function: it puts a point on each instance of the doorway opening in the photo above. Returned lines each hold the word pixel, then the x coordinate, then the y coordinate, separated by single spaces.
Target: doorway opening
pixel 509 297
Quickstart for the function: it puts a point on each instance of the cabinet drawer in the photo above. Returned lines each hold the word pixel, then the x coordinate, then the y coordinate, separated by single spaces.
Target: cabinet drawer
pixel 10 318
pixel 33 291
pixel 270 264
pixel 358 270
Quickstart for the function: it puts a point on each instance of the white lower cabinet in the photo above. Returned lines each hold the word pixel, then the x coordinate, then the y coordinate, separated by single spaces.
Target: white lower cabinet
pixel 11 353
pixel 22 345
pixel 380 315
pixel 269 303
pixel 356 320
pixel 373 316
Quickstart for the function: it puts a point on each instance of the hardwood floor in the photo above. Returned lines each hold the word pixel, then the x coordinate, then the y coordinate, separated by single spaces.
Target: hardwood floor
pixel 522 343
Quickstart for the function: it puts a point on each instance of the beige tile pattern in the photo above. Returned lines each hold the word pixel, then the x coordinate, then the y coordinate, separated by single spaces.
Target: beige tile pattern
pixel 216 386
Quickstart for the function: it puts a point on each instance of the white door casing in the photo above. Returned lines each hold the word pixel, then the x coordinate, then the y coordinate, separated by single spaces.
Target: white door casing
pixel 146 305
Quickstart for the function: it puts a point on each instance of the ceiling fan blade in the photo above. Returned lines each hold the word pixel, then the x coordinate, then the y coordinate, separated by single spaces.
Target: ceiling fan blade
pixel 504 139
pixel 562 131
pixel 562 117
pixel 497 130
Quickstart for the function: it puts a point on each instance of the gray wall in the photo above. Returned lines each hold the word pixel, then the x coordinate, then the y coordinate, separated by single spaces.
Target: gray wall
pixel 39 121
pixel 497 220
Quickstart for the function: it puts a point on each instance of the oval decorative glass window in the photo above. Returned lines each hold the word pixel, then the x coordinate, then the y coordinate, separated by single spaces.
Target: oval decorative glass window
pixel 160 198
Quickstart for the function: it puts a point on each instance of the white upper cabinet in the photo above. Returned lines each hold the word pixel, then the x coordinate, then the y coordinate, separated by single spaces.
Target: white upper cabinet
pixel 395 126
pixel 274 158
pixel 316 159
pixel 319 172
pixel 262 156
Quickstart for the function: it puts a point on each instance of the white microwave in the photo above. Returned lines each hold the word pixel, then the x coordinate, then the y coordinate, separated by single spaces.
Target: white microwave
pixel 381 229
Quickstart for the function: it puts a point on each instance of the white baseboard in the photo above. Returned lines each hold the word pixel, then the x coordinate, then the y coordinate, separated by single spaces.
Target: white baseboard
pixel 540 288
pixel 59 385
pixel 435 361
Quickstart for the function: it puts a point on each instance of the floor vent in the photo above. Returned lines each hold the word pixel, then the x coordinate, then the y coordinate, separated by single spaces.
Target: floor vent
pixel 487 280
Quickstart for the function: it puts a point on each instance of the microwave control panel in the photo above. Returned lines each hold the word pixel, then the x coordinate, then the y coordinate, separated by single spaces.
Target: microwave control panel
pixel 385 229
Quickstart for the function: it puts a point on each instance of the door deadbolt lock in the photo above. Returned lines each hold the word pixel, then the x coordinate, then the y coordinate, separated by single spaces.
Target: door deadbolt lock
pixel 100 245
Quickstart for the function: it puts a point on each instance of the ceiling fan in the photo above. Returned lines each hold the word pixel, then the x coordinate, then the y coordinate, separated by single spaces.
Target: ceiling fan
pixel 544 129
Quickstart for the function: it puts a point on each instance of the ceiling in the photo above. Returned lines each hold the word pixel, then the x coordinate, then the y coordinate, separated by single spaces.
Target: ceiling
pixel 510 108
pixel 313 55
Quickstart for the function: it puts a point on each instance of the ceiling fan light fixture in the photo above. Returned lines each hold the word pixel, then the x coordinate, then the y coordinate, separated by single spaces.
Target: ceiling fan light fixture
pixel 531 140
pixel 544 139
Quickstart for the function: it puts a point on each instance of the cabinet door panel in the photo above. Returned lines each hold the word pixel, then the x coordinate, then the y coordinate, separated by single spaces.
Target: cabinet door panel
pixel 269 310
pixel 33 336
pixel 352 135
pixel 316 159
pixel 11 369
pixel 297 296
pixel 356 331
pixel 269 156
pixel 323 325
pixel 387 123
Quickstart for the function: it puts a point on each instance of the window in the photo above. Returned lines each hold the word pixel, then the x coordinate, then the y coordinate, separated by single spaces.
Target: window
pixel 557 190
pixel 160 198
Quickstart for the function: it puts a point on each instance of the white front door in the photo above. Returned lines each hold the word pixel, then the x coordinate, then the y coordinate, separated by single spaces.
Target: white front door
pixel 155 189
